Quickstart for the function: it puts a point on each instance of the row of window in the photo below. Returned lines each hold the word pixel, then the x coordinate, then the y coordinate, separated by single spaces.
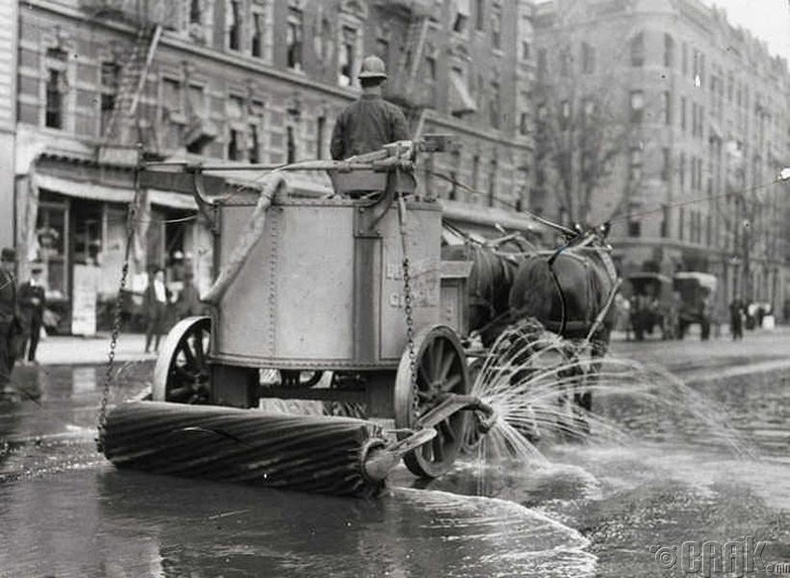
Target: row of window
pixel 698 227
pixel 765 121
pixel 180 108
pixel 693 225
pixel 249 29
pixel 636 112
pixel 257 42
pixel 693 64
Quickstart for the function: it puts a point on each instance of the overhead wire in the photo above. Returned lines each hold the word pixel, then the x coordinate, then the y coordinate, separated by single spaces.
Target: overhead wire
pixel 630 215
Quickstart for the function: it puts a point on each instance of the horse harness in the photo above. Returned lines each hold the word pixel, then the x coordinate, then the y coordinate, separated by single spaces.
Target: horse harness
pixel 564 325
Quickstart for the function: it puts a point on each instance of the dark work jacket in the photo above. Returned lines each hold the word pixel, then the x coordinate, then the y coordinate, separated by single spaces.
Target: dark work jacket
pixel 189 301
pixel 30 310
pixel 366 125
pixel 8 305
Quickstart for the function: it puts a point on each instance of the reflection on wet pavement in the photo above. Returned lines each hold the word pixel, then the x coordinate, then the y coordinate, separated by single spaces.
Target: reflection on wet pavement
pixel 595 508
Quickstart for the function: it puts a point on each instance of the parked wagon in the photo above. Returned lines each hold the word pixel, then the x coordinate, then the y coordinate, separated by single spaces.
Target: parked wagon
pixel 653 307
pixel 697 293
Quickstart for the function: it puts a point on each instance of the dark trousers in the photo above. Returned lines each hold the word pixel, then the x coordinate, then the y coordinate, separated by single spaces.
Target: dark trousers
pixel 155 325
pixel 6 361
pixel 33 338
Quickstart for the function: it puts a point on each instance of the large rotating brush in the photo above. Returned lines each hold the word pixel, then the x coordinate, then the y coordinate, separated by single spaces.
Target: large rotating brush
pixel 339 456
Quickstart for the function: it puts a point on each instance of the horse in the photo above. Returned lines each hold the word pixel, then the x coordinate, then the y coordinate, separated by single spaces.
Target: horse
pixel 569 291
pixel 488 287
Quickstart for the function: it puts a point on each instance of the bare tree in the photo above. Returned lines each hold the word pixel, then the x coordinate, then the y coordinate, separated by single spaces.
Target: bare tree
pixel 586 128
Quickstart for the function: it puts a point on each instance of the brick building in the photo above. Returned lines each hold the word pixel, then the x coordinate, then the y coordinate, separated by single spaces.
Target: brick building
pixel 700 109
pixel 236 81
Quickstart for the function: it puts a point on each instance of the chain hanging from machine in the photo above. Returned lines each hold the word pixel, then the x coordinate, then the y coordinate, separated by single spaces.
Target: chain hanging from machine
pixel 118 306
pixel 407 298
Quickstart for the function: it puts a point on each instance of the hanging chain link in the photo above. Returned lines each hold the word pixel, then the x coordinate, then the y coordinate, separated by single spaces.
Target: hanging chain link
pixel 118 306
pixel 408 306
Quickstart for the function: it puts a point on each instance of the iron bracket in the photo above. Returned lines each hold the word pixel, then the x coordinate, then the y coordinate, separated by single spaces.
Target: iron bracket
pixel 206 207
pixel 452 403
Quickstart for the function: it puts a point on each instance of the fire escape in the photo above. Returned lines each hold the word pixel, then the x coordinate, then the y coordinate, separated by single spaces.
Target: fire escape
pixel 125 126
pixel 403 87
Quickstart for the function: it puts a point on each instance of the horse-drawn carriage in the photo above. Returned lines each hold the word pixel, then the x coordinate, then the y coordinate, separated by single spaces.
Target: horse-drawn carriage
pixel 653 305
pixel 360 288
pixel 697 291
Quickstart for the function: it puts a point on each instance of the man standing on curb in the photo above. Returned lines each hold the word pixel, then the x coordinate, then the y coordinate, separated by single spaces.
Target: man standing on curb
pixel 31 301
pixel 8 319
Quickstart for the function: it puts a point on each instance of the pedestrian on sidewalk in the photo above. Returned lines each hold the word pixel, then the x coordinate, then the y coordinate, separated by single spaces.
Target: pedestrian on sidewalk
pixel 155 302
pixel 188 303
pixel 10 322
pixel 736 319
pixel 32 300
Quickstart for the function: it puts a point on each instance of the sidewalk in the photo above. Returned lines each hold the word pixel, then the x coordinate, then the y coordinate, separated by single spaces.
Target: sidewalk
pixel 71 350
pixel 758 347
pixel 74 350
pixel 724 333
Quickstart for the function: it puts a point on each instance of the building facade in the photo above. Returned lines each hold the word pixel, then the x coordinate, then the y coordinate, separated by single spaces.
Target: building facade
pixel 237 82
pixel 696 124
pixel 8 65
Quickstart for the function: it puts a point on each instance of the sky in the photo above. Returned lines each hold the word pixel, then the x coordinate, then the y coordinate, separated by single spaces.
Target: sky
pixel 768 20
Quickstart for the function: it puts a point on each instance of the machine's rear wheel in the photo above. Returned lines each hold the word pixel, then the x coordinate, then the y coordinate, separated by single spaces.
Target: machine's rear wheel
pixel 182 372
pixel 440 365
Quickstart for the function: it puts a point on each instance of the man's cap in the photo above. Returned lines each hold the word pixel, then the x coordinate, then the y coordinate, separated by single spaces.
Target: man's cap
pixel 8 254
pixel 372 67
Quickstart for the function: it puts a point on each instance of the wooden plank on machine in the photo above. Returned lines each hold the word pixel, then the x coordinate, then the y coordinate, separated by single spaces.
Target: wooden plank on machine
pixel 180 182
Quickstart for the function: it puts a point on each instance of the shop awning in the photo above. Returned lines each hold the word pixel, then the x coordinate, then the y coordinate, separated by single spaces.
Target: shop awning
pixel 83 189
pixel 460 99
pixel 108 194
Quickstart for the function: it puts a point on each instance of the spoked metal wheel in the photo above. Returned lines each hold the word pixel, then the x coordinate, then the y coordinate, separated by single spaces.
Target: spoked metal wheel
pixel 182 373
pixel 440 365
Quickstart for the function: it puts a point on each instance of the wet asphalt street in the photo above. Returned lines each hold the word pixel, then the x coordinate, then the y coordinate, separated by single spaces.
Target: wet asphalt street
pixel 713 468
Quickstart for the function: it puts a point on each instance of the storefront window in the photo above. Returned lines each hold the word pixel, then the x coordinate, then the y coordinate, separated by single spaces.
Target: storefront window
pixel 52 234
pixel 87 232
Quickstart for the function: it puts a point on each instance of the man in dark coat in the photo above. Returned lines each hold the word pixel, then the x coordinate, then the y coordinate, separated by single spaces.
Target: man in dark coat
pixel 371 122
pixel 32 300
pixel 8 318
